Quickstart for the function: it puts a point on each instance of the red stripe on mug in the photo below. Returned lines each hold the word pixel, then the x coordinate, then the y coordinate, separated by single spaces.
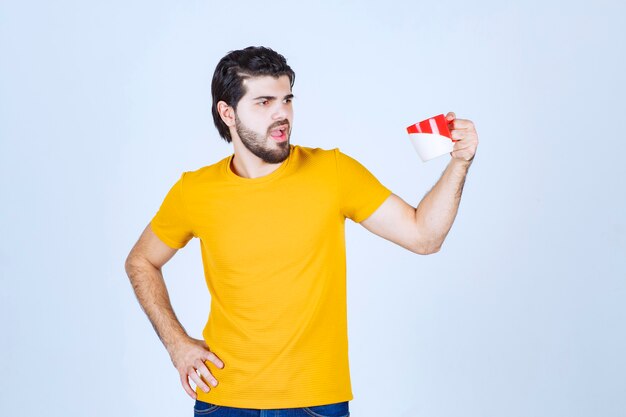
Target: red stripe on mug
pixel 437 125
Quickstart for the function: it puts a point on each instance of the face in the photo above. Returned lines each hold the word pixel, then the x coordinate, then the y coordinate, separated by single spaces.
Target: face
pixel 263 117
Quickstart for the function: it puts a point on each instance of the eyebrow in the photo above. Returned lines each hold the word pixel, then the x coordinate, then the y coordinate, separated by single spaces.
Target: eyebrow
pixel 272 97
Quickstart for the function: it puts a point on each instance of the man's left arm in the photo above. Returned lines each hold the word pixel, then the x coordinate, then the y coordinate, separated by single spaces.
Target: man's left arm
pixel 423 229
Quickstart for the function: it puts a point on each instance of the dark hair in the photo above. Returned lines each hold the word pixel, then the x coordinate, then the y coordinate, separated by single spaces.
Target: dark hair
pixel 227 84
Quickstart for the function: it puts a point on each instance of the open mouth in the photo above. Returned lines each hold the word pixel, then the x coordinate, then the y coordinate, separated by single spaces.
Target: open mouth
pixel 279 134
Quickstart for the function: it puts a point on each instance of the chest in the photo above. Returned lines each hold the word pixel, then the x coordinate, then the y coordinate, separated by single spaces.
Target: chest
pixel 284 220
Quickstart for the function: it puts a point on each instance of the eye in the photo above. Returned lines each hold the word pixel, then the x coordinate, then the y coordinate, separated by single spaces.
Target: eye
pixel 262 103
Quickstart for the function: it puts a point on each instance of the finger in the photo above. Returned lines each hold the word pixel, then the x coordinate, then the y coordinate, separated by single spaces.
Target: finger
pixel 453 126
pixel 465 142
pixel 462 150
pixel 467 138
pixel 210 356
pixel 458 134
pixel 205 373
pixel 450 116
pixel 463 124
pixel 199 381
pixel 186 386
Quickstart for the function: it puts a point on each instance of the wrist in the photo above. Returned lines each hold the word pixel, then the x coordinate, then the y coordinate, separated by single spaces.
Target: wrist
pixel 175 342
pixel 464 163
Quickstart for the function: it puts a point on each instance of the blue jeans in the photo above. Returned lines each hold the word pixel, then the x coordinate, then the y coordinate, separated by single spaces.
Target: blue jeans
pixel 329 410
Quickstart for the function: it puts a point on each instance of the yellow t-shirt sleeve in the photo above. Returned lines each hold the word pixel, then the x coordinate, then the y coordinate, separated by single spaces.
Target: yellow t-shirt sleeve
pixel 360 191
pixel 171 223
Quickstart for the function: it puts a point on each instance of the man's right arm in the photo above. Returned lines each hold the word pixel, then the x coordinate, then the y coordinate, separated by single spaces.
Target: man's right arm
pixel 143 267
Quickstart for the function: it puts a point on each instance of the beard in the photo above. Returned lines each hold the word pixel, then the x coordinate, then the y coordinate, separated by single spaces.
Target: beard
pixel 259 146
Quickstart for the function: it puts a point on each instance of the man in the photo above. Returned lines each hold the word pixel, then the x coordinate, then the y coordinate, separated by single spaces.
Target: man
pixel 270 218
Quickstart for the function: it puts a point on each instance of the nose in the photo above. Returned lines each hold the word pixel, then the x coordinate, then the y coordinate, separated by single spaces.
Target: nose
pixel 281 112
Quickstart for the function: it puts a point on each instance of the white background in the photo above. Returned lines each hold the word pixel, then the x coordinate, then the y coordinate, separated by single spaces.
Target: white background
pixel 104 104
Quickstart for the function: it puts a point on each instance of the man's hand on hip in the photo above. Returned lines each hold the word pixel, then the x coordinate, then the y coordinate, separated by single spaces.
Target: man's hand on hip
pixel 188 356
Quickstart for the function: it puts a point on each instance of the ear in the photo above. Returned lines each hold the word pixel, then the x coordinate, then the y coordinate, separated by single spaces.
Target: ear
pixel 226 112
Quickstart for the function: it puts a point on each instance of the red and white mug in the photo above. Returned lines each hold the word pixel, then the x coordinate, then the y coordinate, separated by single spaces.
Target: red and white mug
pixel 431 137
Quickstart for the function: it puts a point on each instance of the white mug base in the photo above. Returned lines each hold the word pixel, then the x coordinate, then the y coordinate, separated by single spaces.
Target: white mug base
pixel 430 145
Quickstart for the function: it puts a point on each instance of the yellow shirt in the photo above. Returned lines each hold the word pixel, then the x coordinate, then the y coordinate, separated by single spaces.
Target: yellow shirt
pixel 273 250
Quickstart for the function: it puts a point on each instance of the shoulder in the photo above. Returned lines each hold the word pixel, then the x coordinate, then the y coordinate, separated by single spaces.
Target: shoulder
pixel 333 153
pixel 326 157
pixel 309 159
pixel 201 176
pixel 306 153
pixel 192 181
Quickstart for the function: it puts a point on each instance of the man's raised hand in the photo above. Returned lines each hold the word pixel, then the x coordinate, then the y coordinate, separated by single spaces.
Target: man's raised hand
pixel 464 132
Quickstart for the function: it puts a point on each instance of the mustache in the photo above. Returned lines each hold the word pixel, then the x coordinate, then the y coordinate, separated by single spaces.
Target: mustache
pixel 280 123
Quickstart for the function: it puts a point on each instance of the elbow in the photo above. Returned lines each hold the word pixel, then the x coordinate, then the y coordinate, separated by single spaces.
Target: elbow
pixel 426 241
pixel 427 251
pixel 132 264
pixel 427 248
pixel 136 264
pixel 129 264
pixel 433 249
